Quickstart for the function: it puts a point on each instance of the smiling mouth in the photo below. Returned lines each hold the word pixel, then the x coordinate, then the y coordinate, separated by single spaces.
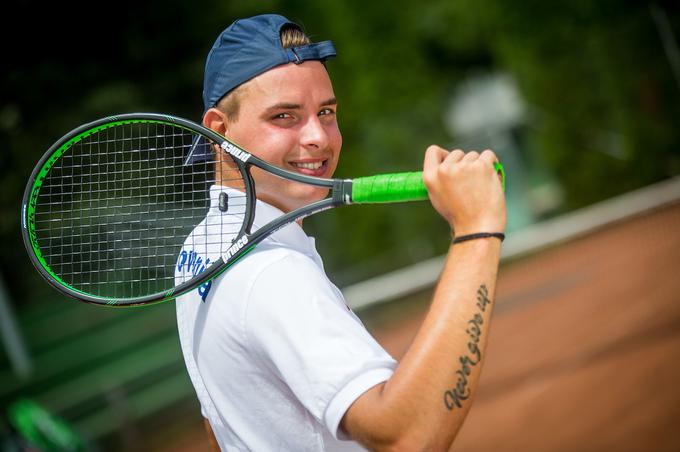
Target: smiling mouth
pixel 309 165
pixel 316 168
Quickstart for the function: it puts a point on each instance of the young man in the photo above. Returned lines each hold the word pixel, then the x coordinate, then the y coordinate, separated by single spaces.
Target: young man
pixel 277 360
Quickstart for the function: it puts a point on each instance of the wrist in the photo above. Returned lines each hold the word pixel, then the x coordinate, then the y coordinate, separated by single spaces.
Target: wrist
pixel 458 229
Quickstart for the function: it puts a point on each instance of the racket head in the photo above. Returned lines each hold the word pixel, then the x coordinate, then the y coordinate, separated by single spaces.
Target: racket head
pixel 109 206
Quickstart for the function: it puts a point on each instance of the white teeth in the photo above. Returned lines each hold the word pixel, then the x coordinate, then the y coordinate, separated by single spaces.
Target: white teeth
pixel 311 166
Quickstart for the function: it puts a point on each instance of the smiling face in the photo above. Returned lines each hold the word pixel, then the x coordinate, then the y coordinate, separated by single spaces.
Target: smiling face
pixel 287 117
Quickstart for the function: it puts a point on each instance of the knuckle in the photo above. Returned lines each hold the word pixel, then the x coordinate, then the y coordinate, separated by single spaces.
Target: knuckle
pixel 443 169
pixel 489 154
pixel 433 148
pixel 457 154
pixel 428 178
pixel 472 155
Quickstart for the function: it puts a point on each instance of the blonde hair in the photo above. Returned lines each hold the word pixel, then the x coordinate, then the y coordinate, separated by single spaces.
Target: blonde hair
pixel 291 36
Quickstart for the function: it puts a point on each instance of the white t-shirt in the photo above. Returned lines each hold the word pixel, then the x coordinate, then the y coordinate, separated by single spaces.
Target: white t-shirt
pixel 274 353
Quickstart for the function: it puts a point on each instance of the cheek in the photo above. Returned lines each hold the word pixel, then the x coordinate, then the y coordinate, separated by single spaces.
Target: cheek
pixel 264 145
pixel 335 139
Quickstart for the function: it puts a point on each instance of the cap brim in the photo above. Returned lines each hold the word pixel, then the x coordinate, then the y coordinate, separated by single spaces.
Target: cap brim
pixel 199 151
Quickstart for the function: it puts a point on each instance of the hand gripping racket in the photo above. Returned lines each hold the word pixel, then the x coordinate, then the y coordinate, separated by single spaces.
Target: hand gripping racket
pixel 108 207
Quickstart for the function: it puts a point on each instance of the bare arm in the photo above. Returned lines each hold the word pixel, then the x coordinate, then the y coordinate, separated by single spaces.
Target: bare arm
pixel 424 404
pixel 214 447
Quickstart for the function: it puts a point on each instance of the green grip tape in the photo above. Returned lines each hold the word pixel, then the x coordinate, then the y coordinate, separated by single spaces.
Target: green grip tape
pixel 397 187
pixel 501 172
pixel 389 188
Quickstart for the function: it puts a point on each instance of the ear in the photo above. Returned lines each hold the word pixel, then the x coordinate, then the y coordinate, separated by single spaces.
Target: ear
pixel 216 120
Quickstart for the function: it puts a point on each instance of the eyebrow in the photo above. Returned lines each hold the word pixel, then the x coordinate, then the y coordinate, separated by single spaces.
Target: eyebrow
pixel 292 106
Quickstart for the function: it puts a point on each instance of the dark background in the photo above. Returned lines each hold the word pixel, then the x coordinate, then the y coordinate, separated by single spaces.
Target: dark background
pixel 594 99
pixel 599 95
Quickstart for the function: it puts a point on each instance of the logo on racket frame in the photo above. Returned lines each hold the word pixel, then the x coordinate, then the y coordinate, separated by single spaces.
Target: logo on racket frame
pixel 235 152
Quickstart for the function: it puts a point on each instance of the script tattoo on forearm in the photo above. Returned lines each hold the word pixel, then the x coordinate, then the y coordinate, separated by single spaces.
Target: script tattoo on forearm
pixel 454 397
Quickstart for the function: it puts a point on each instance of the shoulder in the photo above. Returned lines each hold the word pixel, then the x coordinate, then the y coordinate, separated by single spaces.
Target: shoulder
pixel 289 286
pixel 272 273
pixel 284 266
pixel 285 282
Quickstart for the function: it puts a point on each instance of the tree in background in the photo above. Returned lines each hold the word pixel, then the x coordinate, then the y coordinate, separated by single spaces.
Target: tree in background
pixel 599 78
pixel 602 97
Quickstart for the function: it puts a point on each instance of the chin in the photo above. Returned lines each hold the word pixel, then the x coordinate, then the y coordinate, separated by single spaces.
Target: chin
pixel 307 195
pixel 295 197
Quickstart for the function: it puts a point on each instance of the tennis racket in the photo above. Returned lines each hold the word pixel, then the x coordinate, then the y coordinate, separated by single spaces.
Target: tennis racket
pixel 110 205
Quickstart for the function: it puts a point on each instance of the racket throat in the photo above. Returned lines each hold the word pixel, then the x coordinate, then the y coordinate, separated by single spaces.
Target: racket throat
pixel 342 192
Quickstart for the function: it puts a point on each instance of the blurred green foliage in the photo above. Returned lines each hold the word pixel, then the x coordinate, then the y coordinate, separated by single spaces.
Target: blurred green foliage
pixel 601 94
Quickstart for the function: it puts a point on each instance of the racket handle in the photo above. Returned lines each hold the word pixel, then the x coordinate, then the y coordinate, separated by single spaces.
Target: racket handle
pixel 397 187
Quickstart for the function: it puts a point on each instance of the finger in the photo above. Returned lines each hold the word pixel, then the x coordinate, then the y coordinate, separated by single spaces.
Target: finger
pixel 471 156
pixel 434 155
pixel 488 156
pixel 455 156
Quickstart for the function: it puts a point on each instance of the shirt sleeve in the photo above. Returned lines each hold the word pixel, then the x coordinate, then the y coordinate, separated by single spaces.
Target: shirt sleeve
pixel 298 324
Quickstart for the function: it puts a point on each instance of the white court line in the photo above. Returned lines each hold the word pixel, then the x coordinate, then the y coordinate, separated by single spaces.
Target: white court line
pixel 527 240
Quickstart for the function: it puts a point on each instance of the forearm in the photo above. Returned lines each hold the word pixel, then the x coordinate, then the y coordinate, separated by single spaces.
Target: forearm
pixel 429 395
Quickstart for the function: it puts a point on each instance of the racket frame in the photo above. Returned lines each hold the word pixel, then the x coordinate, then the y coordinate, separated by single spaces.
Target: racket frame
pixel 381 188
pixel 242 244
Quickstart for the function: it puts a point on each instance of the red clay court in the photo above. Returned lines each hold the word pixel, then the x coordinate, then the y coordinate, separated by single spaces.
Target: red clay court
pixel 584 350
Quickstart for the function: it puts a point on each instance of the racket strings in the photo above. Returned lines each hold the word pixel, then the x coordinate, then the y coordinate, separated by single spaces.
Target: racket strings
pixel 115 209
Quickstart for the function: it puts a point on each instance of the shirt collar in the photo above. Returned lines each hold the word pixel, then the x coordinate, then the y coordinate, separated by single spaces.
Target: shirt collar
pixel 290 236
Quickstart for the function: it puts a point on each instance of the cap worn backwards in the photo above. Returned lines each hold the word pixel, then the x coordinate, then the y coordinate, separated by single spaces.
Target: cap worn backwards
pixel 249 47
pixel 244 50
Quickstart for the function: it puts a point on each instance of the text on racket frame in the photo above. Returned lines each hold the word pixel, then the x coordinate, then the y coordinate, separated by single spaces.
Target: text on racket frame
pixel 235 151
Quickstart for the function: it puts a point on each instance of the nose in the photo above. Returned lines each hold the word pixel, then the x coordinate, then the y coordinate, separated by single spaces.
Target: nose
pixel 313 134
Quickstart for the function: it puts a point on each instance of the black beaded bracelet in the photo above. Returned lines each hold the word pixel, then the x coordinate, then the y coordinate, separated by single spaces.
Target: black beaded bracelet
pixel 479 235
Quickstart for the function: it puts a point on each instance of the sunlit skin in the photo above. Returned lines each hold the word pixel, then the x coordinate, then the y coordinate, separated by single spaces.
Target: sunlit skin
pixel 287 117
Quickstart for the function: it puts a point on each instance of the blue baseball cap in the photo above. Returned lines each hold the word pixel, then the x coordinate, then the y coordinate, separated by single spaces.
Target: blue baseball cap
pixel 244 50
